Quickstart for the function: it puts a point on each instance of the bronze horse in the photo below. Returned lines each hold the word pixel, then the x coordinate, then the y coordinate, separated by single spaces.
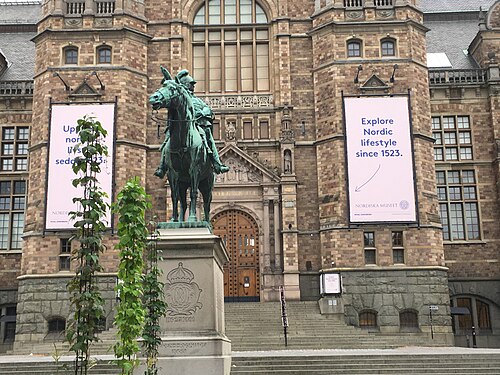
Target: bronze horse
pixel 187 161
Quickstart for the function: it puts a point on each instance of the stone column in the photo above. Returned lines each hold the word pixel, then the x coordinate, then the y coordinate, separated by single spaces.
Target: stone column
pixel 277 236
pixel 266 246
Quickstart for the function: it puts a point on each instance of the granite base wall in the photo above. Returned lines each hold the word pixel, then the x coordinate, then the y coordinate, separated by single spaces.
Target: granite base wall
pixel 388 292
pixel 44 297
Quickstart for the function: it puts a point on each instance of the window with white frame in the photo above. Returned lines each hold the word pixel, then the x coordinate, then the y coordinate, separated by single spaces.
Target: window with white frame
pixel 452 138
pixel 458 204
pixel 230 42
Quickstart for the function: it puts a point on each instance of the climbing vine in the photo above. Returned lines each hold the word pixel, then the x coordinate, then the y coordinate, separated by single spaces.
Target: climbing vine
pixel 154 304
pixel 85 297
pixel 131 205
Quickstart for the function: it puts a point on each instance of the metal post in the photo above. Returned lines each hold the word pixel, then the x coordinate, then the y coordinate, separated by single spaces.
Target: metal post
pixel 474 343
pixel 432 329
pixel 284 318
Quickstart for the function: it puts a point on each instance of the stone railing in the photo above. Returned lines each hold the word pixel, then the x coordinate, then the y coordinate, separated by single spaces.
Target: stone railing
pixel 16 88
pixel 101 7
pixel 239 101
pixel 354 4
pixel 105 7
pixel 75 7
pixel 454 76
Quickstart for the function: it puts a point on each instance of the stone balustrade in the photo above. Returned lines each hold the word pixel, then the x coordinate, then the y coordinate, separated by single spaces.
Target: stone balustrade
pixel 16 88
pixel 457 76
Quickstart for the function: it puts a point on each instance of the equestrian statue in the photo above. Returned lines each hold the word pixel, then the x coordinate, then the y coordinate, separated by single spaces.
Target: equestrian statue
pixel 189 156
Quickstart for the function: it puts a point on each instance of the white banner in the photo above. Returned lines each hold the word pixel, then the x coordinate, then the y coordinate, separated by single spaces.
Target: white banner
pixel 63 138
pixel 379 160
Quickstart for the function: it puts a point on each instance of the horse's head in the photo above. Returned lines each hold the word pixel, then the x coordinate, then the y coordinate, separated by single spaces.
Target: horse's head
pixel 169 90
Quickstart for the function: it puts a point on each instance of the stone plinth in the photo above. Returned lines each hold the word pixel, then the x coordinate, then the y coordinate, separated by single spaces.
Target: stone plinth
pixel 193 330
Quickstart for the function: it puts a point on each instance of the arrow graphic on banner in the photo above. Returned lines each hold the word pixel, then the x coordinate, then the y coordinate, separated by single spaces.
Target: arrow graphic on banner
pixel 358 188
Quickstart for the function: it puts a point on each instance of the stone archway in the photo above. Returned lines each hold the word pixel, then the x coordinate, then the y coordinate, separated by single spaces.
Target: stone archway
pixel 239 231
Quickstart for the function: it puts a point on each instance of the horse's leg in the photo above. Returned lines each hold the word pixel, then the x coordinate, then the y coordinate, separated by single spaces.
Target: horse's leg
pixel 206 188
pixel 194 174
pixel 182 198
pixel 174 188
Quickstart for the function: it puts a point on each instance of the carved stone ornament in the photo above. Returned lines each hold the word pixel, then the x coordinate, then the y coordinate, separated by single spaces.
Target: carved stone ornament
pixel 354 15
pixel 73 22
pixel 103 22
pixel 385 13
pixel 239 171
pixel 182 295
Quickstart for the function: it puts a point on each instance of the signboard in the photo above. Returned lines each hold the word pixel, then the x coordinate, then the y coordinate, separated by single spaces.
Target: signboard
pixel 63 138
pixel 379 159
pixel 330 283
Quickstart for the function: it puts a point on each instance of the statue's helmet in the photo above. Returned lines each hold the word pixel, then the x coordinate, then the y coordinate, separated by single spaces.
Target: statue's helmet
pixel 184 78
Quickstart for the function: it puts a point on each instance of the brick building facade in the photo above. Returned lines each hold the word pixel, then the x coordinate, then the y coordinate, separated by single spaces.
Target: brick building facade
pixel 275 74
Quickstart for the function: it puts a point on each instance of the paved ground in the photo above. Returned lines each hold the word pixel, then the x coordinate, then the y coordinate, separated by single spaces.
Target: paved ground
pixel 289 353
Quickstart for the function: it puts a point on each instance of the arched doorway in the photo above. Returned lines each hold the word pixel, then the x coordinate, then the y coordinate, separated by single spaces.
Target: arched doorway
pixel 239 232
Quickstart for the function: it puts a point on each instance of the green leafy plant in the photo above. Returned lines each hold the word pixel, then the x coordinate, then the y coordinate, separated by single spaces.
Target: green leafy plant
pixel 85 297
pixel 154 304
pixel 131 206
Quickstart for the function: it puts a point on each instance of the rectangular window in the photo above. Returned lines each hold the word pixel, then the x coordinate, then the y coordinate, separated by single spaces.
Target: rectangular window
pixel 262 67
pixel 264 129
pixel 214 62
pixel 247 130
pixel 459 208
pixel 370 251
pixel 369 239
pixel 231 68
pixel 451 142
pixel 199 67
pixel 216 132
pixel 12 206
pixel 246 57
pixel 65 254
pixel 398 252
pixel 370 256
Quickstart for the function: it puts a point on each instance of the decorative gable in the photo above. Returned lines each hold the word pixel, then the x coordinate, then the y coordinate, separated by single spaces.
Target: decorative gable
pixel 85 90
pixel 374 82
pixel 244 169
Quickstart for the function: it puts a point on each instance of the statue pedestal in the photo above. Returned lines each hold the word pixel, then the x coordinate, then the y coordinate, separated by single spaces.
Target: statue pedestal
pixel 193 330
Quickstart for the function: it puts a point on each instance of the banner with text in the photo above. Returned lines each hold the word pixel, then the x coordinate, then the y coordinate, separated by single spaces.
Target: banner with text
pixel 63 138
pixel 379 159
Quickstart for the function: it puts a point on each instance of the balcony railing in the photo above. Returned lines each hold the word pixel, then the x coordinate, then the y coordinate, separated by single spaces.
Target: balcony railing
pixel 461 76
pixel 105 7
pixel 353 3
pixel 16 88
pixel 75 7
pixel 383 3
pixel 239 101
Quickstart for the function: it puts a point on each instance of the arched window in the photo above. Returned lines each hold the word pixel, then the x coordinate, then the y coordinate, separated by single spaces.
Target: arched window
pixel 104 55
pixel 354 48
pixel 57 325
pixel 232 55
pixel 388 47
pixel 470 311
pixel 70 55
pixel 408 321
pixel 368 319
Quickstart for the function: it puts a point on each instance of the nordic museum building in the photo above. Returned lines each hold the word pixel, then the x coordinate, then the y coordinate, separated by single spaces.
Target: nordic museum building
pixel 362 137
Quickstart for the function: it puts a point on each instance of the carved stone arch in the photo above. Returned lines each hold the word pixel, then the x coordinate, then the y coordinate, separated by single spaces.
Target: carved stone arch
pixel 242 273
pixel 191 7
pixel 493 17
pixel 238 207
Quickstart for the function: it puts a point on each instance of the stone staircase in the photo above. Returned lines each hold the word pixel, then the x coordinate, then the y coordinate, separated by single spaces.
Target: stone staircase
pixel 66 368
pixel 366 364
pixel 257 326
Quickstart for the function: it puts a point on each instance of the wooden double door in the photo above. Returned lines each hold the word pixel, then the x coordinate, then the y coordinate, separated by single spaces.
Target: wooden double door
pixel 239 232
